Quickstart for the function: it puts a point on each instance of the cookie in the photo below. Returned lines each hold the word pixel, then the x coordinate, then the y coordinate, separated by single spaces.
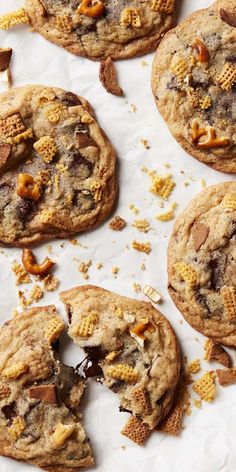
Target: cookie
pixel 194 83
pixel 134 346
pixel 202 263
pixel 119 29
pixel 57 167
pixel 39 396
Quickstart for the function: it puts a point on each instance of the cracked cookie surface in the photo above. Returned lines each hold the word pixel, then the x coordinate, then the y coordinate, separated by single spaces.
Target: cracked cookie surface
pixel 132 343
pixel 39 396
pixel 57 167
pixel 194 84
pixel 119 29
pixel 202 263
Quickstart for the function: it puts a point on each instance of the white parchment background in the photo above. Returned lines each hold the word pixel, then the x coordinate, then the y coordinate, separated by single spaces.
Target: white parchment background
pixel 208 442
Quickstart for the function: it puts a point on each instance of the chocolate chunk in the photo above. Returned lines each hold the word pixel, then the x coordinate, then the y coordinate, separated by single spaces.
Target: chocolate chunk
pixel 108 78
pixel 228 17
pixel 117 386
pixel 95 354
pixel 10 412
pixel 84 202
pixel 93 371
pixel 5 152
pixel 81 167
pixel 231 58
pixel 65 379
pixel 124 410
pixel 173 84
pixel 69 99
pixel 217 266
pixel 5 58
pixel 45 393
pixel 83 140
pixel 25 209
pixel 5 195
pixel 201 299
pixel 199 234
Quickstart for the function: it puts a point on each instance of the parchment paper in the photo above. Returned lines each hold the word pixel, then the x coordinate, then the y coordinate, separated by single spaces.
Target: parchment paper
pixel 207 443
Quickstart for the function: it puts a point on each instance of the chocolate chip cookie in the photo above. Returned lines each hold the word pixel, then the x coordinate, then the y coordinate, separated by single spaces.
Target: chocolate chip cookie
pixel 194 84
pixel 131 346
pixel 39 396
pixel 202 263
pixel 57 167
pixel 119 29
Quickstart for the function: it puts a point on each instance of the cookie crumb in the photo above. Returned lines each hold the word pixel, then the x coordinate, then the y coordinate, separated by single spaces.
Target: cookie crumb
pixel 144 63
pixel 133 108
pixel 142 225
pixel 117 223
pixel 143 266
pixel 136 287
pixel 50 283
pixel 115 270
pixel 215 352
pixel 173 422
pixel 194 366
pixel 36 294
pixel 84 267
pixel 21 276
pixel 145 142
pixel 142 247
pixel 108 77
pixel 99 266
pixel 226 376
pixel 197 404
pixel 133 208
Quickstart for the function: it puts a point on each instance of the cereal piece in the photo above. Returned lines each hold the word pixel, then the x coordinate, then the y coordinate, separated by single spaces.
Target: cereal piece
pixel 142 247
pixel 108 77
pixel 64 23
pixel 12 126
pixel 5 58
pixel 123 372
pixel 5 391
pixel 163 6
pixel 197 403
pixel 46 148
pixel 28 134
pixel 136 431
pixel 45 96
pixel 162 186
pixel 168 216
pixel 205 387
pixel 227 78
pixel 228 295
pixel 30 264
pixel 229 201
pixel 21 276
pixel 187 273
pixel 193 97
pixel 50 283
pixel 142 225
pixel 27 187
pixel 180 68
pixel 202 51
pixel 62 433
pixel 117 223
pixel 205 102
pixel 92 10
pixel 86 327
pixel 151 293
pixel 215 352
pixel 112 355
pixel 53 330
pixel 18 369
pixel 140 394
pixel 17 428
pixel 194 367
pixel 14 18
pixel 53 112
pixel 130 17
pixel 226 376
pixel 46 393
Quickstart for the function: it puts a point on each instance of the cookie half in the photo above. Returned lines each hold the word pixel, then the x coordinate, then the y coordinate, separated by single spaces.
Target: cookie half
pixel 135 347
pixel 119 29
pixel 202 263
pixel 194 83
pixel 39 397
pixel 57 167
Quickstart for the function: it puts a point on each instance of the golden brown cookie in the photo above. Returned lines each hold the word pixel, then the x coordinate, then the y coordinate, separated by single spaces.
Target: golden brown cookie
pixel 202 263
pixel 134 347
pixel 194 83
pixel 39 396
pixel 57 167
